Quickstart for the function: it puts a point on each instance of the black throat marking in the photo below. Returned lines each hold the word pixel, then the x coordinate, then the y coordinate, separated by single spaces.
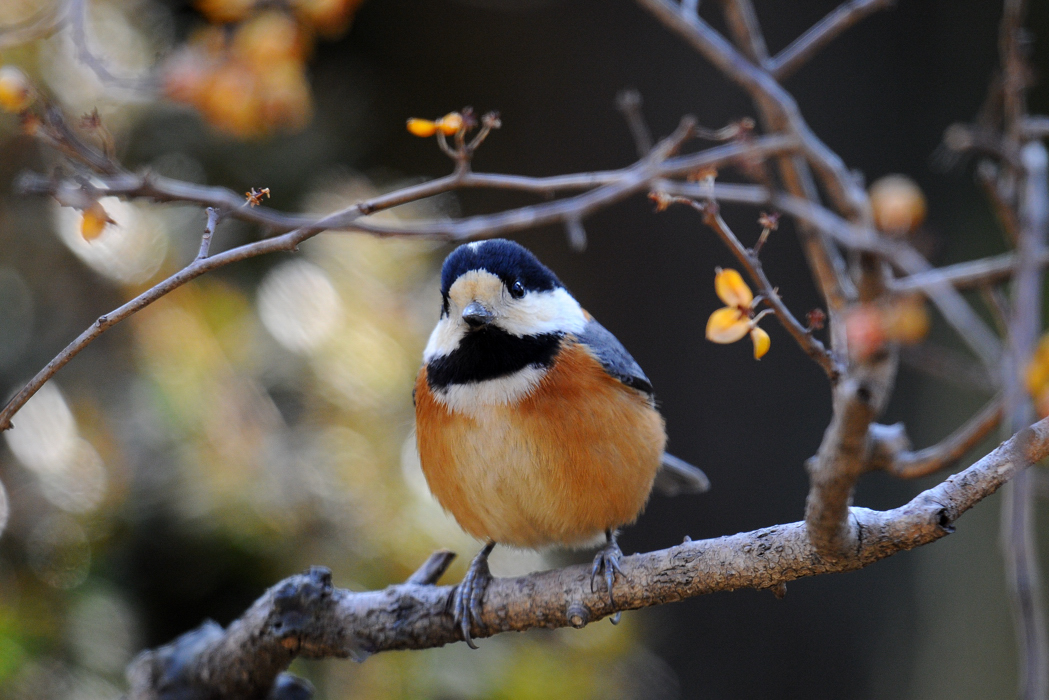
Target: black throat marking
pixel 490 353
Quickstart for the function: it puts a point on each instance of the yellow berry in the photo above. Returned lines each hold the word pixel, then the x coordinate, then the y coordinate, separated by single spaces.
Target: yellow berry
pixel 16 94
pixel 422 127
pixel 898 204
pixel 450 123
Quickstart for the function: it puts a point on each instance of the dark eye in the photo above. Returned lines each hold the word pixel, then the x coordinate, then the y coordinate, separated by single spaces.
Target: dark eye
pixel 517 290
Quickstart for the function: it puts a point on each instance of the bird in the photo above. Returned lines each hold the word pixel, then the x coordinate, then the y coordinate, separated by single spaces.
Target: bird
pixel 534 425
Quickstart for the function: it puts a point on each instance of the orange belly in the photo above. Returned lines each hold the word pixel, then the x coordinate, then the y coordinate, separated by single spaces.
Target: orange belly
pixel 559 467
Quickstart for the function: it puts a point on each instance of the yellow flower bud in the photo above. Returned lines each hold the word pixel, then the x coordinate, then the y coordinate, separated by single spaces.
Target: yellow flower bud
pixel 94 222
pixel 727 325
pixel 422 127
pixel 450 123
pixel 731 289
pixel 15 91
pixel 762 342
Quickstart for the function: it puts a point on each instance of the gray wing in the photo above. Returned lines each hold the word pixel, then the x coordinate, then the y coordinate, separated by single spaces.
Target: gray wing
pixel 614 357
pixel 676 476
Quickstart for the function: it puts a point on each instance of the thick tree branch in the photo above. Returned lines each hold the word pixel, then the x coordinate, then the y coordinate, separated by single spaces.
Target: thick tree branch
pixel 306 616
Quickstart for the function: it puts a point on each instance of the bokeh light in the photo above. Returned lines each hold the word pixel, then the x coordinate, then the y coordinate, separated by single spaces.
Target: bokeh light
pixel 299 306
pixel 70 471
pixel 59 552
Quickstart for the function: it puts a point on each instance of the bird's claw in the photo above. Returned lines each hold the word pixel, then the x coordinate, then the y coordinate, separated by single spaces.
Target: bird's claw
pixel 469 594
pixel 607 561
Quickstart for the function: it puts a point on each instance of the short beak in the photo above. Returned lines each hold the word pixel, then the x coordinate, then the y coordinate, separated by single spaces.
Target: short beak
pixel 476 315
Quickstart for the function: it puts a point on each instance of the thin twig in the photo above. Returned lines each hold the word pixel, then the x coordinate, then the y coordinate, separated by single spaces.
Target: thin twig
pixel 822 33
pixel 743 22
pixel 946 453
pixel 629 102
pixel 209 231
pixel 825 261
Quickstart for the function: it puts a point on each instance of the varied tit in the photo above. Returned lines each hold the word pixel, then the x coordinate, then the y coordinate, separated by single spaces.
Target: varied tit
pixel 534 425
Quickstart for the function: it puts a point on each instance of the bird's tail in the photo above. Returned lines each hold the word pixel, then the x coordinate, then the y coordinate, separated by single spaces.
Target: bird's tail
pixel 677 476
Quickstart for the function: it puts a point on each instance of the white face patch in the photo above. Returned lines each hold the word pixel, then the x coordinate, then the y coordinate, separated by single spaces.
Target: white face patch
pixel 536 313
pixel 475 398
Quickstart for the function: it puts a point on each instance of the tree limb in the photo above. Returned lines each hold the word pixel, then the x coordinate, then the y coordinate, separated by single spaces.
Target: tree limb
pixel 306 616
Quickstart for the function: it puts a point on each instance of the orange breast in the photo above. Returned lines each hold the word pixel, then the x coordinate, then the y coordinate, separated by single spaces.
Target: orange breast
pixel 574 458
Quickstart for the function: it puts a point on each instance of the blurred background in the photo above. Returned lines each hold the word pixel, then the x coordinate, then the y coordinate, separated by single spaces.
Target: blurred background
pixel 259 420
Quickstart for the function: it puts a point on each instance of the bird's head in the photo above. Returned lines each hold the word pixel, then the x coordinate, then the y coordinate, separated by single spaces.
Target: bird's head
pixel 498 288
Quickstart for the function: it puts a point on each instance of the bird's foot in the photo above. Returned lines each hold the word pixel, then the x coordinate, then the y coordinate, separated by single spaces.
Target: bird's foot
pixel 607 561
pixel 470 592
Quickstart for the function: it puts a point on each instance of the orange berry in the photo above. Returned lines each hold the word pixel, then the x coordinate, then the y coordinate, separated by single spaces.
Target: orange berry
pixel 231 100
pixel 329 18
pixel 269 37
pixel 898 204
pixel 225 10
pixel 864 331
pixel 450 123
pixel 423 128
pixel 185 76
pixel 284 93
pixel 16 94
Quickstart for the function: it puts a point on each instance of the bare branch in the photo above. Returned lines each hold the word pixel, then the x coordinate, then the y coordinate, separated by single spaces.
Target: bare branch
pixel 209 231
pixel 658 163
pixel 822 33
pixel 629 104
pixel 847 195
pixel 306 616
pixel 743 22
pixel 433 568
pixel 1018 533
pixel 912 465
